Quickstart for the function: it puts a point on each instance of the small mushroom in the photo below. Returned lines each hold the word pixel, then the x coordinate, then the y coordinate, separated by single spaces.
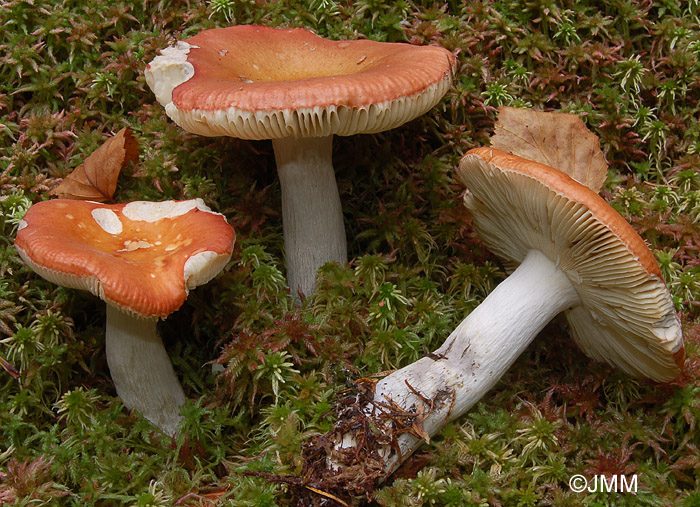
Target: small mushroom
pixel 291 86
pixel 567 251
pixel 141 258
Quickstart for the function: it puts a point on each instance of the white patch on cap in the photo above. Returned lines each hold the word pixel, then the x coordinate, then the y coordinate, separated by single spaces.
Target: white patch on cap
pixel 148 211
pixel 202 267
pixel 131 245
pixel 21 225
pixel 108 220
pixel 168 71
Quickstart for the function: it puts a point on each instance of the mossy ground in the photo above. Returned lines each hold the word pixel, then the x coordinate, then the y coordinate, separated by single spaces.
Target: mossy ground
pixel 71 72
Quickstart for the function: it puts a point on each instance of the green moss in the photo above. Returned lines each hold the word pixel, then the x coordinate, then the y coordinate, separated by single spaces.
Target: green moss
pixel 71 72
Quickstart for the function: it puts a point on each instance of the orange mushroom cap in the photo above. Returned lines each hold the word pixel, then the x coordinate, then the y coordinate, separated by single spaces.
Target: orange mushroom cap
pixel 141 257
pixel 256 82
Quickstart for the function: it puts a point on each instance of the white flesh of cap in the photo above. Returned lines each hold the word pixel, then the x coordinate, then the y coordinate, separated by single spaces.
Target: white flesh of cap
pixel 169 70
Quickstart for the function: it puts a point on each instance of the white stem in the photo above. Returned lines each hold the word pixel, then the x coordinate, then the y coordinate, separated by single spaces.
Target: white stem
pixel 314 232
pixel 141 369
pixel 477 353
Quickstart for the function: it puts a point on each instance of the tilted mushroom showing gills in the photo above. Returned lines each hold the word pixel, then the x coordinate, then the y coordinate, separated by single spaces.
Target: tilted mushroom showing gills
pixel 567 251
pixel 141 258
pixel 293 87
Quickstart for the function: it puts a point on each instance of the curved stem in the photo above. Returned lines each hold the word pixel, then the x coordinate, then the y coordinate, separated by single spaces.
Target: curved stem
pixel 314 232
pixel 444 385
pixel 141 369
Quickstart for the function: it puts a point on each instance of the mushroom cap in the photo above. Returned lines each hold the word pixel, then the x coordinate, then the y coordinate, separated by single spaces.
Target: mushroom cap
pixel 141 257
pixel 256 82
pixel 626 316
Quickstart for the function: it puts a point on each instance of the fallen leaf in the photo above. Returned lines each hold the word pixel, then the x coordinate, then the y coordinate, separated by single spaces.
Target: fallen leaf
pixel 96 178
pixel 559 140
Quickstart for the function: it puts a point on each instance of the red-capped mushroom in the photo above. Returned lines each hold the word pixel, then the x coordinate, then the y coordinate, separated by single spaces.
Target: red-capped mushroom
pixel 568 251
pixel 141 258
pixel 291 86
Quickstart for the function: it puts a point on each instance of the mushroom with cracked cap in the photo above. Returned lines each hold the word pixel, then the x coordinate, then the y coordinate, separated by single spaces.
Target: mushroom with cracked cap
pixel 567 251
pixel 298 89
pixel 141 258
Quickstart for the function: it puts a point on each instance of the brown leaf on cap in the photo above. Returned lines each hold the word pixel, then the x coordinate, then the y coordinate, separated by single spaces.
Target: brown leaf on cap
pixel 96 178
pixel 558 140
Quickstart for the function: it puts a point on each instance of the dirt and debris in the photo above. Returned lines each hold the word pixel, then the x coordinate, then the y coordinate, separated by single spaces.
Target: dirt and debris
pixel 348 476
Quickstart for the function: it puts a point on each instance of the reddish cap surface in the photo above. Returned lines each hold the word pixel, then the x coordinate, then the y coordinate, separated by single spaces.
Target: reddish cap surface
pixel 141 257
pixel 260 82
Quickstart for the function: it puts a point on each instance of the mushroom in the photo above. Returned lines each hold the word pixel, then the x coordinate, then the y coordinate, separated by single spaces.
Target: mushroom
pixel 567 251
pixel 298 89
pixel 141 258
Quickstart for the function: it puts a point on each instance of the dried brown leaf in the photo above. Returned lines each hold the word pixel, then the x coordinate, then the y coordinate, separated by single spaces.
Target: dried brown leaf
pixel 558 140
pixel 96 178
